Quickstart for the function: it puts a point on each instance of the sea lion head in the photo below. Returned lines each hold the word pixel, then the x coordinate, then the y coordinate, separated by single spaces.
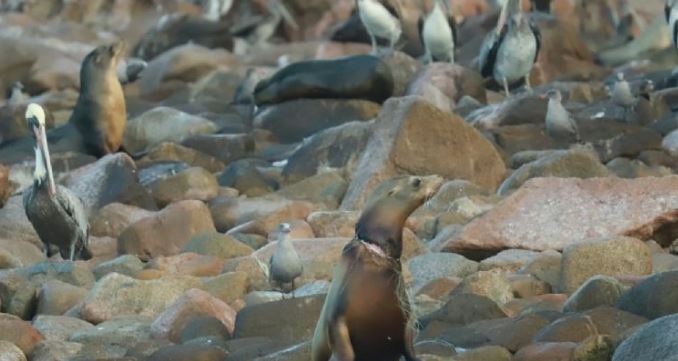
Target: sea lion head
pixel 103 58
pixel 381 224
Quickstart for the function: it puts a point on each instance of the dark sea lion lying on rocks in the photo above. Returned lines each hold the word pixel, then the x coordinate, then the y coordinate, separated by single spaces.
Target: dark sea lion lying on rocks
pixel 353 77
pixel 366 315
pixel 100 114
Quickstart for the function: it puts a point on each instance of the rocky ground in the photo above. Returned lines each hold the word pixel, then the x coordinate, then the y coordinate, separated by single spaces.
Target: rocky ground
pixel 534 248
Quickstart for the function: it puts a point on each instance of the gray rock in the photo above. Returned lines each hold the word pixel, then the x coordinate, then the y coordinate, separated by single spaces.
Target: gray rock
pixel 55 351
pixel 430 266
pixel 650 342
pixel 224 147
pixel 59 328
pixel 596 291
pixel 654 297
pixel 56 297
pixel 127 265
pixel 10 352
pixel 509 260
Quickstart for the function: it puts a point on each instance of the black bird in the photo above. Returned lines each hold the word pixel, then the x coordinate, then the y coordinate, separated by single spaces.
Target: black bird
pixel 508 53
pixel 438 33
pixel 54 211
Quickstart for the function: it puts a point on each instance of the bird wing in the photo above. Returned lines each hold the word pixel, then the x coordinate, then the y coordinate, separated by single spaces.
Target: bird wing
pixel 420 28
pixel 537 38
pixel 72 205
pixel 28 194
pixel 489 50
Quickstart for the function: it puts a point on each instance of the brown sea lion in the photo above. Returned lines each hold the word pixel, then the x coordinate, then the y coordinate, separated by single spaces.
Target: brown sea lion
pixel 100 114
pixel 366 315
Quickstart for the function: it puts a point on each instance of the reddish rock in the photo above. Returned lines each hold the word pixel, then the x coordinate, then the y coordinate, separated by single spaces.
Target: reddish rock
pixel 333 223
pixel 265 214
pixel 56 297
pixel 193 303
pixel 452 81
pixel 167 231
pixel 551 351
pixel 406 133
pixel 113 218
pixel 190 264
pixel 192 183
pixel 552 213
pixel 19 332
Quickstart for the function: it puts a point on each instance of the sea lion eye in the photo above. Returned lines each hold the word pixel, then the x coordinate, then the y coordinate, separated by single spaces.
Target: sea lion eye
pixel 416 182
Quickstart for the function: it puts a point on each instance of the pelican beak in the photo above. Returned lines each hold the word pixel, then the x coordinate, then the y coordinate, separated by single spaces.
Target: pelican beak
pixel 41 140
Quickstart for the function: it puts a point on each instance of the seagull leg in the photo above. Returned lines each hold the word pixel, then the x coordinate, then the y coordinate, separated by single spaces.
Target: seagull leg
pixel 506 87
pixel 528 87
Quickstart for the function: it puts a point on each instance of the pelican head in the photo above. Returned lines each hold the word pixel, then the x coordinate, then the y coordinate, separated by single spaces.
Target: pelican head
pixel 35 116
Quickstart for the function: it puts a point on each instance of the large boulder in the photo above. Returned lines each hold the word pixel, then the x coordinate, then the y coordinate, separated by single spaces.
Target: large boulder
pixel 407 132
pixel 117 295
pixel 552 213
pixel 444 84
pixel 294 120
pixel 167 231
pixel 654 297
pixel 112 178
pixel 653 341
pixel 192 183
pixel 162 124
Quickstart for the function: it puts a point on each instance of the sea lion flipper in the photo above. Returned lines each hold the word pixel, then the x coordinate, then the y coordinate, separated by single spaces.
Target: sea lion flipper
pixel 340 338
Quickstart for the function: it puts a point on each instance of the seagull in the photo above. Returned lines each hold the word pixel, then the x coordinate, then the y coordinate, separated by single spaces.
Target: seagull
pixel 381 21
pixel 559 122
pixel 438 32
pixel 509 52
pixel 621 94
pixel 285 265
pixel 55 212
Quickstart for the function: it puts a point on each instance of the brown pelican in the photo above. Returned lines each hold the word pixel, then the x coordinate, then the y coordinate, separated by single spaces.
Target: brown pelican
pixel 559 122
pixel 381 21
pixel 438 33
pixel 54 211
pixel 285 265
pixel 508 53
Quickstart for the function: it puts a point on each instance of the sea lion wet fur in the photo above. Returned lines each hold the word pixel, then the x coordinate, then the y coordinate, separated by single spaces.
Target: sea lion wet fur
pixel 367 313
pixel 100 114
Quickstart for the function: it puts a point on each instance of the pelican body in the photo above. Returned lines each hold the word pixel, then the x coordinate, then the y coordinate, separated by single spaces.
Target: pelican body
pixel 54 211
pixel 381 21
pixel 508 54
pixel 438 33
pixel 285 265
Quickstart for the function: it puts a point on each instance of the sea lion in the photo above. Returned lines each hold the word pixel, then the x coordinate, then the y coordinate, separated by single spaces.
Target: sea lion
pixel 366 315
pixel 353 77
pixel 100 114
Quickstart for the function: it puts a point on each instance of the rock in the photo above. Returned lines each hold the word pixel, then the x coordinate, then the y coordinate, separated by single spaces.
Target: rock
pixel 653 297
pixel 145 298
pixel 266 213
pixel 670 143
pixel 216 86
pixel 514 139
pixel 649 342
pixel 189 353
pixel 288 321
pixel 190 264
pixel 228 287
pixel 127 265
pixel 552 351
pixel 110 179
pixel 401 142
pixel 113 337
pixel 163 124
pixel 557 212
pixel 59 328
pixel 485 353
pixel 245 176
pixel 662 262
pixel 15 226
pixel 5 186
pixel 617 256
pixel 333 223
pixel 224 147
pixel 655 158
pixel 75 273
pixel 203 327
pixel 512 333
pixel 492 284
pixel 56 297
pixel 19 332
pixel 596 291
pixel 629 143
pixel 55 351
pixel 326 188
pixel 113 218
pixel 294 120
pixel 192 183
pixel 510 260
pixel 185 63
pixel 167 231
pixel 169 151
pixel 545 266
pixel 431 266
pixel 217 245
pixel 626 168
pixel 449 82
pixel 339 147
pixel 404 68
pixel 577 163
pixel 529 109
pixel 18 254
pixel 193 303
pixel 463 309
pixel 354 77
pixel 10 352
